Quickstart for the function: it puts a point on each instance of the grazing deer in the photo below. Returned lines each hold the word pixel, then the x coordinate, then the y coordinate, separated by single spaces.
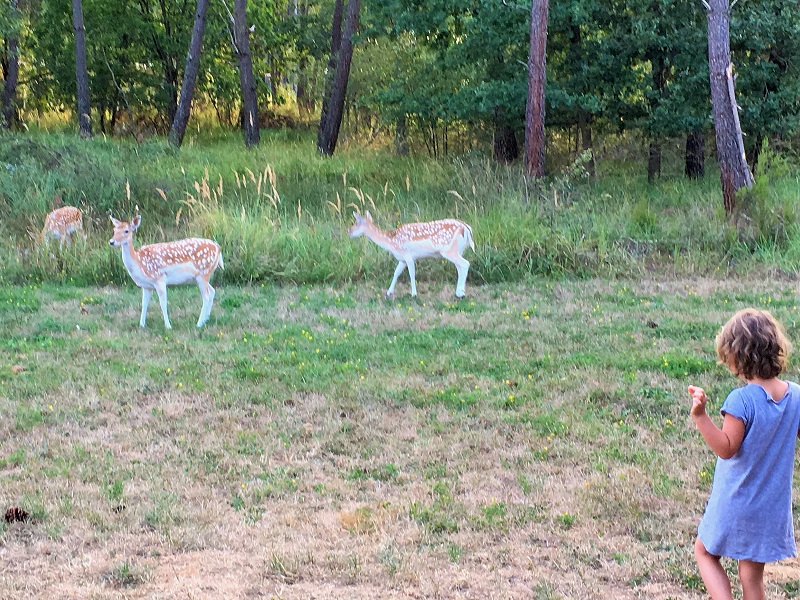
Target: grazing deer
pixel 62 223
pixel 447 238
pixel 156 266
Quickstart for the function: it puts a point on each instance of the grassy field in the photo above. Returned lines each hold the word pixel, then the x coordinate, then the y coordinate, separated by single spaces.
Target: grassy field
pixel 530 441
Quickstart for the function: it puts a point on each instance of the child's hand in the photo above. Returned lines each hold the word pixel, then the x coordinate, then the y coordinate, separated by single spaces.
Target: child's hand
pixel 699 399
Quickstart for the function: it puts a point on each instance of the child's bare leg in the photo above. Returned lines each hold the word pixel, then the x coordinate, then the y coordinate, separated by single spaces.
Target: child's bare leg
pixel 752 577
pixel 714 576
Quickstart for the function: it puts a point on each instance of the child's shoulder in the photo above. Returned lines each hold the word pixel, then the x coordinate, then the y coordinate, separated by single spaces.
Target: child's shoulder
pixel 794 389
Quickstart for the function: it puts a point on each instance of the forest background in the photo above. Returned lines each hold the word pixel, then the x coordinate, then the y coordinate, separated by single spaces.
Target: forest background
pixel 627 102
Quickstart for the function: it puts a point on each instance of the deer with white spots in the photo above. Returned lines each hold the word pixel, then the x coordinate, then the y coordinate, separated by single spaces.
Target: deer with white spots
pixel 156 266
pixel 447 239
pixel 62 223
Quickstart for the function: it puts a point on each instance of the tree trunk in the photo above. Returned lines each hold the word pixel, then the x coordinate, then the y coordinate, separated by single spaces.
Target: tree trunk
pixel 400 139
pixel 534 109
pixel 506 149
pixel 333 60
pixel 585 127
pixel 695 155
pixel 249 99
pixel 333 120
pixel 171 87
pixel 734 170
pixel 184 107
pixel 304 101
pixel 659 74
pixel 654 162
pixel 11 72
pixel 81 72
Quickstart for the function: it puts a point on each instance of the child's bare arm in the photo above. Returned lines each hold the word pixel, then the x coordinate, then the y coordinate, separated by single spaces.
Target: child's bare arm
pixel 724 442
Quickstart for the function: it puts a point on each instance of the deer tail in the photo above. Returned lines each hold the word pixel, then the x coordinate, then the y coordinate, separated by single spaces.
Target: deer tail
pixel 467 233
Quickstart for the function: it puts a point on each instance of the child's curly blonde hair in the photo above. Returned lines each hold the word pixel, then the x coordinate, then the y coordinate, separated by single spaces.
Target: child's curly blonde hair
pixel 752 344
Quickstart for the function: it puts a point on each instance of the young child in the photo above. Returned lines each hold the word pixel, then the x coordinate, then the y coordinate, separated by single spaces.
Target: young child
pixel 749 513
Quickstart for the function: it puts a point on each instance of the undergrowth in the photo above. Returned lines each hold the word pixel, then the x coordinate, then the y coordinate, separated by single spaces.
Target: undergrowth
pixel 281 212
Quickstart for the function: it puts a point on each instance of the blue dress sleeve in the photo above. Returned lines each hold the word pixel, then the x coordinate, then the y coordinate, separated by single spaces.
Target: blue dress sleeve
pixel 738 404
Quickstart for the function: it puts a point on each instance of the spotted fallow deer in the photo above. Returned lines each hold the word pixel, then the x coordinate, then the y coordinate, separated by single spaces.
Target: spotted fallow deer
pixel 447 239
pixel 62 223
pixel 156 266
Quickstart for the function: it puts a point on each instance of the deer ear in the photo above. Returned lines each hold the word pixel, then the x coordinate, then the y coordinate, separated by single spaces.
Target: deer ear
pixel 356 216
pixel 369 217
pixel 136 222
pixel 114 221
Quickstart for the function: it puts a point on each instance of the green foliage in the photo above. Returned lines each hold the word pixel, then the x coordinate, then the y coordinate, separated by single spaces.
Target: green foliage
pixel 566 520
pixel 767 217
pixel 442 78
pixel 125 575
pixel 644 221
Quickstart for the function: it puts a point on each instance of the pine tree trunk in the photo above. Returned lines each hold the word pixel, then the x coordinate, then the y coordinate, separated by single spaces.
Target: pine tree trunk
pixel 695 155
pixel 81 72
pixel 333 120
pixel 333 60
pixel 249 99
pixel 11 74
pixel 535 107
pixel 734 170
pixel 184 107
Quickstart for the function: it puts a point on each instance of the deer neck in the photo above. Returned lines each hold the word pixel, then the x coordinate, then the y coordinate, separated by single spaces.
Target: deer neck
pixel 130 258
pixel 381 238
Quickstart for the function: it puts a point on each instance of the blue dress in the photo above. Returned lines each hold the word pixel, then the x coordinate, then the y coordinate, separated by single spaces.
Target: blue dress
pixel 749 512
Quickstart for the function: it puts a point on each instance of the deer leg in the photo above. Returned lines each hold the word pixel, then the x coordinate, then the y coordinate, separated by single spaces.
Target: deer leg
pixel 208 294
pixel 161 290
pixel 401 266
pixel 454 255
pixel 146 295
pixel 412 273
pixel 462 266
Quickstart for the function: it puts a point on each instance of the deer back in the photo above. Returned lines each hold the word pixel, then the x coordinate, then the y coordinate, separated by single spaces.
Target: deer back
pixel 438 233
pixel 63 221
pixel 198 254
